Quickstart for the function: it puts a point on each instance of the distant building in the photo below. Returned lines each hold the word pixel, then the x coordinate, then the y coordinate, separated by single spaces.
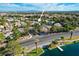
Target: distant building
pixel 44 28
pixel 2 14
pixel 10 19
pixel 18 23
pixel 1 28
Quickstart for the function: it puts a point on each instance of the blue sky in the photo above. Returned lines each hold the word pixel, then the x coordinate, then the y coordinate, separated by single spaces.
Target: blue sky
pixel 23 7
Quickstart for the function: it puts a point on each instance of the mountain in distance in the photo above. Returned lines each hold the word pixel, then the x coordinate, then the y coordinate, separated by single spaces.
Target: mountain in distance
pixel 37 11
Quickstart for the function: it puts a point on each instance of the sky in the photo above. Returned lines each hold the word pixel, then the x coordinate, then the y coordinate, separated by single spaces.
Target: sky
pixel 25 7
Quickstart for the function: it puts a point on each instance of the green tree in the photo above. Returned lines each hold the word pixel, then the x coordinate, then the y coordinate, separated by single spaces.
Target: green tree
pixel 14 48
pixel 62 37
pixel 2 37
pixel 54 42
pixel 26 27
pixel 3 21
pixel 36 27
pixel 56 29
pixel 16 32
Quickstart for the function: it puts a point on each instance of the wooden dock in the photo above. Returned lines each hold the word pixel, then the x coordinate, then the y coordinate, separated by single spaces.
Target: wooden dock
pixel 60 48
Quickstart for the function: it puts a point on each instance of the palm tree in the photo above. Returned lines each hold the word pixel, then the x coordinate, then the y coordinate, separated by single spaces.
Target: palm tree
pixel 71 34
pixel 62 38
pixel 36 44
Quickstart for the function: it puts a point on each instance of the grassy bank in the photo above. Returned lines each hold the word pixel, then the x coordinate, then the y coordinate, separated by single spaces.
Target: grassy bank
pixel 66 41
pixel 34 53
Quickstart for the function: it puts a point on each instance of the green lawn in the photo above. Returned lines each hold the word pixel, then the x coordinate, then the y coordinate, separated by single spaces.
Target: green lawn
pixel 33 52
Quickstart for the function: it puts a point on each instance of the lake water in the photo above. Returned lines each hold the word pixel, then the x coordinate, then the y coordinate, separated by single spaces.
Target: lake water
pixel 69 50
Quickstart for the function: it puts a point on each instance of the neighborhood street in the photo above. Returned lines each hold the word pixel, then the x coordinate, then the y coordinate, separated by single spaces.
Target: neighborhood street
pixel 46 39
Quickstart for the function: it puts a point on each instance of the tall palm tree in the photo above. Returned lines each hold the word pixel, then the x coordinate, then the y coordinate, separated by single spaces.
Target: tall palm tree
pixel 62 38
pixel 36 44
pixel 71 34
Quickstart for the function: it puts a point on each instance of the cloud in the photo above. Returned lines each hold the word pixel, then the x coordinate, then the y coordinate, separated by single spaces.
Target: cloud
pixel 39 6
pixel 63 7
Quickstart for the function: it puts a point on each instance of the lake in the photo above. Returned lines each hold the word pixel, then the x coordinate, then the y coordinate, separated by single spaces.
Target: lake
pixel 69 50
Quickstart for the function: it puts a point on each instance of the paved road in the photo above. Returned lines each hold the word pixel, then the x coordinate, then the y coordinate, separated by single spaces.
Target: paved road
pixel 46 39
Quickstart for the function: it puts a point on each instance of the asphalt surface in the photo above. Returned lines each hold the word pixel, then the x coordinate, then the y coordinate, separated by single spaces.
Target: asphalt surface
pixel 46 39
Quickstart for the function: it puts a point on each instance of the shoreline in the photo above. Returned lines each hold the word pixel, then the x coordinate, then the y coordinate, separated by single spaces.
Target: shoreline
pixel 68 43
